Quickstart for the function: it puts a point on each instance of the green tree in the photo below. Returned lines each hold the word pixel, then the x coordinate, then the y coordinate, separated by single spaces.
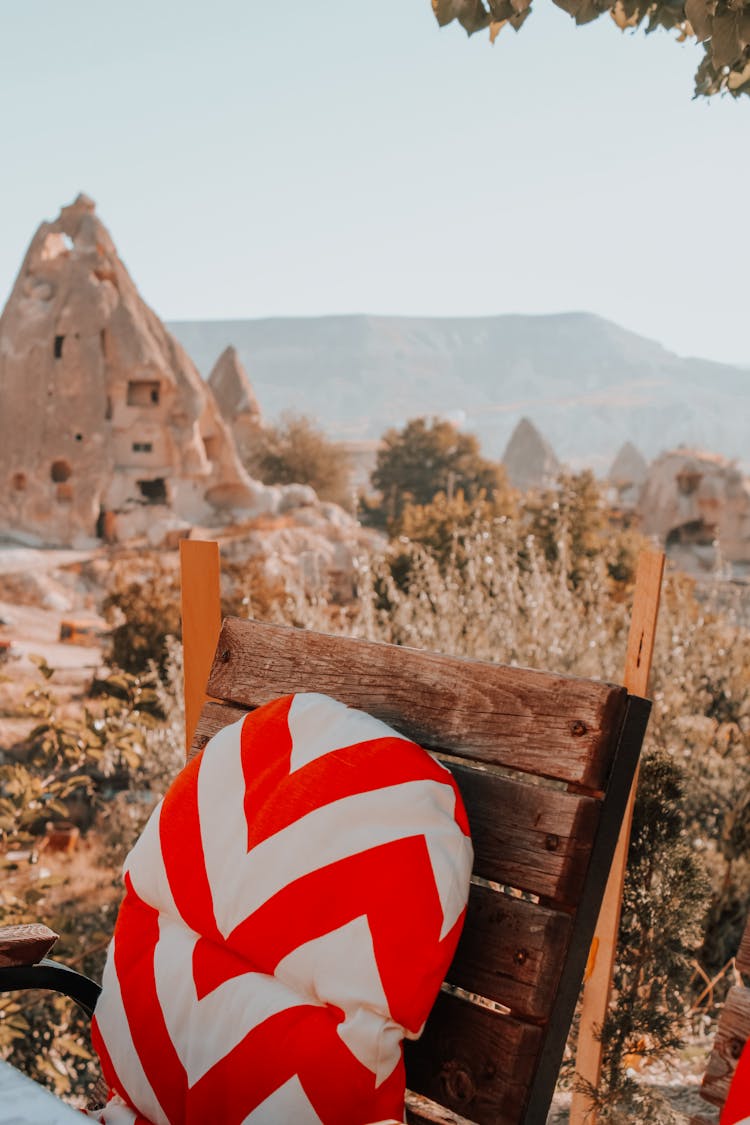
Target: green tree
pixel 296 452
pixel 427 457
pixel 722 26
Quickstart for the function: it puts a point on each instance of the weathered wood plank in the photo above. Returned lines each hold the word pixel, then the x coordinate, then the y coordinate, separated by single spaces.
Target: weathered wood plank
pixel 422 1111
pixel 731 1035
pixel 525 836
pixel 550 725
pixel 213 718
pixel 25 945
pixel 474 1061
pixel 742 960
pixel 511 951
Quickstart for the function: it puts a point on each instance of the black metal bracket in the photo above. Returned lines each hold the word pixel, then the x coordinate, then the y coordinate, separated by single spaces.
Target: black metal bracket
pixel 55 977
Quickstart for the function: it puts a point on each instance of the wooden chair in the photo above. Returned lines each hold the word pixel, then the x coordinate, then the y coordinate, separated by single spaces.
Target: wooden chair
pixel 545 765
pixel 732 1034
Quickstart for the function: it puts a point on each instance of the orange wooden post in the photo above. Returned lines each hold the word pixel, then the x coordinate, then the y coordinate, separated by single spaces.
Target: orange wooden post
pixel 201 623
pixel 602 957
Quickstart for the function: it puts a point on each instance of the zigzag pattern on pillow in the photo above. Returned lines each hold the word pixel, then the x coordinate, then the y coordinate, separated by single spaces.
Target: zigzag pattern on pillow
pixel 291 910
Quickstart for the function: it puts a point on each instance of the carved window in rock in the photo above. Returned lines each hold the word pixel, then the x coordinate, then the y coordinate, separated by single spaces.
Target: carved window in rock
pixel 143 392
pixel 57 348
pixel 143 447
pixel 211 445
pixel 60 471
pixel 695 533
pixel 153 491
pixel 688 481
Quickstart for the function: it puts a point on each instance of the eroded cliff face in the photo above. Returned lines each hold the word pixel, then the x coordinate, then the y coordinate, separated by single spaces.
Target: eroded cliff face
pixel 105 423
pixel 692 499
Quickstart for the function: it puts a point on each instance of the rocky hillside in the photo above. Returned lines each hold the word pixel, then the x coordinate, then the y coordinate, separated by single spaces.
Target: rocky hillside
pixel 588 384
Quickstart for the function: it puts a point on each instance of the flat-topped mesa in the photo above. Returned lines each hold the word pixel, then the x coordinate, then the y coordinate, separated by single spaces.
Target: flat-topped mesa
pixel 106 425
pixel 236 400
pixel 529 459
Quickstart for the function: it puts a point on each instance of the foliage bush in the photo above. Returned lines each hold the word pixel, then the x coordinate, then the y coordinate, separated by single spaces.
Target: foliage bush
pixel 143 608
pixel 111 763
pixel 296 451
pixel 427 457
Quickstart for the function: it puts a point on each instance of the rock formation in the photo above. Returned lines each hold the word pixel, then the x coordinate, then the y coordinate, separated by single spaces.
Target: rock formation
pixel 627 475
pixel 692 499
pixel 529 459
pixel 236 400
pixel 106 426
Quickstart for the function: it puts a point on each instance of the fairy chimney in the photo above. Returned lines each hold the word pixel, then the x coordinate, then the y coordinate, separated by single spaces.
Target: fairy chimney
pixel 106 424
pixel 529 459
pixel 236 400
pixel 692 500
pixel 627 475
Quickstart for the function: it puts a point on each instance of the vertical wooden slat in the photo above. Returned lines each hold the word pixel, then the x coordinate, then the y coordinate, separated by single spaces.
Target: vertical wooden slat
pixel 201 623
pixel 601 965
pixel 742 959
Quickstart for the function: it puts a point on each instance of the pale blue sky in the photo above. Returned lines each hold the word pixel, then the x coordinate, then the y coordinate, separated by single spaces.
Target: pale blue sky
pixel 256 159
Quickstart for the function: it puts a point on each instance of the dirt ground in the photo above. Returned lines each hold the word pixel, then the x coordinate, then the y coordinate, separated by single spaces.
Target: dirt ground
pixel 678 1082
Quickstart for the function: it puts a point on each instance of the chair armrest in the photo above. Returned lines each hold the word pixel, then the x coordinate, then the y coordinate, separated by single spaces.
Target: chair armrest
pixel 25 945
pixel 55 977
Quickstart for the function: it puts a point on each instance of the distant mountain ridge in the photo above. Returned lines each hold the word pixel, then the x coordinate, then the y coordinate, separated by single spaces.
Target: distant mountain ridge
pixel 586 383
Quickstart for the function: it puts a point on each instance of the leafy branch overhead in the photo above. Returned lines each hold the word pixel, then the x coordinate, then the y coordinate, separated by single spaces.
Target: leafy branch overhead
pixel 722 26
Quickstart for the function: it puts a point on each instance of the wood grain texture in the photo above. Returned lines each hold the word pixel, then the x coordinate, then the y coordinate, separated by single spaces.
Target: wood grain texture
pixel 596 992
pixel 537 839
pixel 742 960
pixel 474 1061
pixel 25 945
pixel 511 951
pixel 731 1035
pixel 525 836
pixel 531 721
pixel 422 1111
pixel 201 621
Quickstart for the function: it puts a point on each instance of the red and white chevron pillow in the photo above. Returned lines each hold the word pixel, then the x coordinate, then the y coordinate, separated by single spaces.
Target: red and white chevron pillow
pixel 736 1109
pixel 291 910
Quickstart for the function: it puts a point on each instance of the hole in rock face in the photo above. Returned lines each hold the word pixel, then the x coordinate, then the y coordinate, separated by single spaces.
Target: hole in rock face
pixel 211 445
pixel 60 471
pixel 19 482
pixel 142 447
pixel 153 491
pixel 695 533
pixel 55 246
pixel 58 347
pixel 143 392
pixel 79 437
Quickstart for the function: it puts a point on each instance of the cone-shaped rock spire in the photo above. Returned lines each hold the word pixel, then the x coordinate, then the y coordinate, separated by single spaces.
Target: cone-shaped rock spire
pixel 104 417
pixel 236 400
pixel 529 459
pixel 629 467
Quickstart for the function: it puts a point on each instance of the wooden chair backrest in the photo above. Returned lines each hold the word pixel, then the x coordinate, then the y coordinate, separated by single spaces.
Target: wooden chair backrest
pixel 732 1033
pixel 544 764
